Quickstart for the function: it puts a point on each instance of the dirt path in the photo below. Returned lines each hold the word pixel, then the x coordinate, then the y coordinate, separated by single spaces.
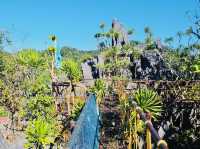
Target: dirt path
pixel 111 129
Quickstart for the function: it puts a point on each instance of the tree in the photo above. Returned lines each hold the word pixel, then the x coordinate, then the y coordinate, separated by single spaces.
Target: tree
pixel 193 31
pixel 38 106
pixel 11 92
pixel 41 105
pixel 169 41
pixel 10 99
pixel 2 65
pixel 179 35
pixel 102 26
pixel 73 72
pixel 130 31
pixel 113 64
pixel 111 50
pixel 4 39
pixel 149 41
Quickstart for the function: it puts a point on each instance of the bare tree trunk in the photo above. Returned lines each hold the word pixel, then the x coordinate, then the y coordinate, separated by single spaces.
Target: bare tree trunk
pixel 12 122
pixel 67 95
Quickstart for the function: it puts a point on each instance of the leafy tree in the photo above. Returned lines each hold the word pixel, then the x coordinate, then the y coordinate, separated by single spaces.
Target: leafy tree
pixel 73 72
pixel 130 31
pixel 40 84
pixel 169 41
pixel 75 54
pixel 4 38
pixel 111 50
pixel 86 57
pixel 41 105
pixel 149 41
pixel 11 91
pixel 1 65
pixel 10 100
pixel 38 105
pixel 102 25
pixel 194 29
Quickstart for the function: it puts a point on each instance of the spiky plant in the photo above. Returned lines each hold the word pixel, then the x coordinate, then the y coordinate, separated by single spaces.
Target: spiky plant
pixel 149 101
pixel 72 69
pixel 30 58
pixel 76 111
pixel 40 133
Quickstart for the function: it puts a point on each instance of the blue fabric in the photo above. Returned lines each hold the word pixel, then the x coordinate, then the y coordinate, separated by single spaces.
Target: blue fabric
pixel 58 57
pixel 86 131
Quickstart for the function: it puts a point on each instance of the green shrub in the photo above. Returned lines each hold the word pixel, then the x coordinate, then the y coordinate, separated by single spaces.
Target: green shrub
pixel 3 112
pixel 76 111
pixel 99 89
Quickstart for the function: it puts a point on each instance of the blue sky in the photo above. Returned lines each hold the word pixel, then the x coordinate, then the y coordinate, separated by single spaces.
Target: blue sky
pixel 76 21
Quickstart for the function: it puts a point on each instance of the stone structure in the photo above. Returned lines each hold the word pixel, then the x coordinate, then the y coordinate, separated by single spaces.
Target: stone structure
pixel 87 73
pixel 151 66
pixel 123 34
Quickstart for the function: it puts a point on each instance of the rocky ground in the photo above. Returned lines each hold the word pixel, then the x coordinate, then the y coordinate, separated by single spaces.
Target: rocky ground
pixel 111 129
pixel 8 140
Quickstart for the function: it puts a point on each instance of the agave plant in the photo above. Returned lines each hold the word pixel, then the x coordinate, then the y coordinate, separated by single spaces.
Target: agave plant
pixel 30 58
pixel 149 101
pixel 40 133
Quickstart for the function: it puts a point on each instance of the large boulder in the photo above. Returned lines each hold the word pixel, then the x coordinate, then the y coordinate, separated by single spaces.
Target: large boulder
pixel 150 66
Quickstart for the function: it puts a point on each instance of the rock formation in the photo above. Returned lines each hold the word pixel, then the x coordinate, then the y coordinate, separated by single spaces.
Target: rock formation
pixel 151 66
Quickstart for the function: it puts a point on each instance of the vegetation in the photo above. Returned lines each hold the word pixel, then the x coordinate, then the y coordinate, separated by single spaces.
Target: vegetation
pixel 3 112
pixel 149 101
pixel 99 89
pixel 132 125
pixel 72 69
pixel 26 77
pixel 77 55
pixel 40 133
pixel 77 109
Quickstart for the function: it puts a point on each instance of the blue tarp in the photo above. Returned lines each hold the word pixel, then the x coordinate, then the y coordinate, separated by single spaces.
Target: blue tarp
pixel 58 57
pixel 86 131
